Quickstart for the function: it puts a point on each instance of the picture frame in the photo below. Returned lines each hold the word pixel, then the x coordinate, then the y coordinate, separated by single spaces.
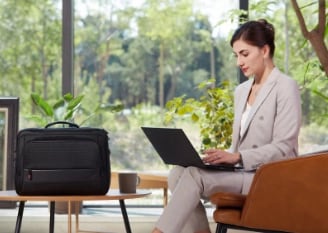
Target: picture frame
pixel 9 118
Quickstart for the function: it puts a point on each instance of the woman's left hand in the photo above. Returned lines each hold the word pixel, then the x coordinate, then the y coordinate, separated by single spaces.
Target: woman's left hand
pixel 216 156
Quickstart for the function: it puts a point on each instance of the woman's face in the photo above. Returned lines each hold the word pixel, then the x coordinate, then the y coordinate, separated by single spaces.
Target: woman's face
pixel 250 59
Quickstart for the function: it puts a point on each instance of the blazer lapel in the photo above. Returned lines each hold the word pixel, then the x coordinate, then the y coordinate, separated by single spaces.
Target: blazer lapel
pixel 263 93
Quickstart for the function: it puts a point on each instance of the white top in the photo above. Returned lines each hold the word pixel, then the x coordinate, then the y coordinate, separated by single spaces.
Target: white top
pixel 244 118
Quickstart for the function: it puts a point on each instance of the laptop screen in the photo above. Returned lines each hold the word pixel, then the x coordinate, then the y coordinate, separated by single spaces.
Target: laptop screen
pixel 174 147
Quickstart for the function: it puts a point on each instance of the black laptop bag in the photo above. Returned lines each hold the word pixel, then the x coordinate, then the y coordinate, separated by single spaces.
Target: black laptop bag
pixel 56 160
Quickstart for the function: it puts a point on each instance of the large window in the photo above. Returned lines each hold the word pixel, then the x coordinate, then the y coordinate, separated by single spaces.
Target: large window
pixel 142 54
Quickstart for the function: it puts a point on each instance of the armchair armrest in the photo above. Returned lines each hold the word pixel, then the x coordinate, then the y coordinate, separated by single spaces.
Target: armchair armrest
pixel 226 200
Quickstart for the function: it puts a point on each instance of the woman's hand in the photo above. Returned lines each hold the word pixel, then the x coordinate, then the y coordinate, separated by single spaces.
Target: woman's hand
pixel 216 156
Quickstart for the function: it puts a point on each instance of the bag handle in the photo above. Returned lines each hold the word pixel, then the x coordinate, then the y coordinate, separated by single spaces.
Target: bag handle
pixel 70 124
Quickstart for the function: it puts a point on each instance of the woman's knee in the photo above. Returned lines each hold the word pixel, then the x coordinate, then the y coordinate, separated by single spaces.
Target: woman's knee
pixel 174 176
pixel 195 174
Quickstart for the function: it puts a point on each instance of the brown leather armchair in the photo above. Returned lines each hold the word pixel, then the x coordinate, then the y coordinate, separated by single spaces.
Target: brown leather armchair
pixel 285 196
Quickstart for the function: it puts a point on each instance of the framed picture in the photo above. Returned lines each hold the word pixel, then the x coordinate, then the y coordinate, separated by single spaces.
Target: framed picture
pixel 9 110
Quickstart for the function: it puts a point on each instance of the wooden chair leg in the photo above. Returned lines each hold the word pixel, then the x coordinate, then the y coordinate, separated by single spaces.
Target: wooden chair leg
pixel 221 228
pixel 165 197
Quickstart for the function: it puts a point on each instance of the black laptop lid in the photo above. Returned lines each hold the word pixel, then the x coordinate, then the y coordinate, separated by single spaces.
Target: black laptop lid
pixel 173 146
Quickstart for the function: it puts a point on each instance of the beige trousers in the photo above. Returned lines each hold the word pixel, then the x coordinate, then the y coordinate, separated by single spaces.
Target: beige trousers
pixel 185 211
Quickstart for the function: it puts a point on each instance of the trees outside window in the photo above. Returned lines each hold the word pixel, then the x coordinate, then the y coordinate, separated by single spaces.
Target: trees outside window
pixel 144 55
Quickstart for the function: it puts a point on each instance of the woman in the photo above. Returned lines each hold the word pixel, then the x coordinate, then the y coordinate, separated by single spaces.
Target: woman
pixel 267 120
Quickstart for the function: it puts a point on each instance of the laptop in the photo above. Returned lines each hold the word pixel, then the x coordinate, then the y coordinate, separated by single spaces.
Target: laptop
pixel 174 147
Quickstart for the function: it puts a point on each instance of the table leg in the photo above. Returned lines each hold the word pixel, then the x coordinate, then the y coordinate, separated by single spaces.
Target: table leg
pixel 69 214
pixel 77 212
pixel 125 217
pixel 19 216
pixel 52 217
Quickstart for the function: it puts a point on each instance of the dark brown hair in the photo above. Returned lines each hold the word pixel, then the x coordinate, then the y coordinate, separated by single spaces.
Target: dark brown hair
pixel 257 33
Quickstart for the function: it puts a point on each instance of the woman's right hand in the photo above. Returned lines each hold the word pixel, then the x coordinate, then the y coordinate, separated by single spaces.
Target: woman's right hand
pixel 217 156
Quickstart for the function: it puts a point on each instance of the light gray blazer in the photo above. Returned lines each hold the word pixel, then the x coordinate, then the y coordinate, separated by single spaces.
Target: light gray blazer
pixel 272 127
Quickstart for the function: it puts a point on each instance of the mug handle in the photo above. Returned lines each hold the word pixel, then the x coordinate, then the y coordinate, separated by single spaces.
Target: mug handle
pixel 138 180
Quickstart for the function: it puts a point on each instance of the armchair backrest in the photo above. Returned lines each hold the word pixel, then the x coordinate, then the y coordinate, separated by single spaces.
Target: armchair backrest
pixel 290 195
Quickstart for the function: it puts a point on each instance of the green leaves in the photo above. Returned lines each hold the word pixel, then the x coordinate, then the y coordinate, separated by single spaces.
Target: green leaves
pixel 62 109
pixel 323 96
pixel 72 102
pixel 103 108
pixel 42 104
pixel 110 107
pixel 66 108
pixel 213 112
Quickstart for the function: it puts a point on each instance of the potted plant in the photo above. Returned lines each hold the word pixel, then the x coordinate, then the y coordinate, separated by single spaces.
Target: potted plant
pixel 213 112
pixel 66 108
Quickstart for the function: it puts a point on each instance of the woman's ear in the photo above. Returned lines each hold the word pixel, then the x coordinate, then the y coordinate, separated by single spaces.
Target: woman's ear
pixel 266 51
